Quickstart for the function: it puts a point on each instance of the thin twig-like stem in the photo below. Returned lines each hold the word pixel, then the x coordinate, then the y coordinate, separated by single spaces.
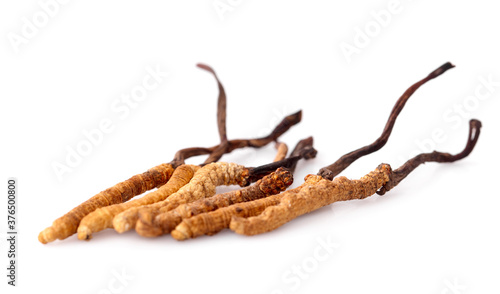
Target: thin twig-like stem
pixel 267 214
pixel 221 104
pixel 331 171
pixel 221 118
pixel 225 145
pixel 281 128
pixel 402 172
pixel 281 151
pixel 303 149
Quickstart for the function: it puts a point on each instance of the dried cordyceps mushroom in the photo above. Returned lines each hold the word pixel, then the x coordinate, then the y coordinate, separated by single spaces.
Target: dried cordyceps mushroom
pixel 67 225
pixel 317 191
pixel 188 213
pixel 165 222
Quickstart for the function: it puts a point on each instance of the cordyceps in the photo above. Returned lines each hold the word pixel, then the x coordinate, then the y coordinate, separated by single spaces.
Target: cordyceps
pixel 267 214
pixel 158 176
pixel 184 204
pixel 317 191
pixel 161 220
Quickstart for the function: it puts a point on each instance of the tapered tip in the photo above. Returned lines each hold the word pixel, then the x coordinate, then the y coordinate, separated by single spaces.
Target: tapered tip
pixel 47 235
pixel 296 117
pixel 440 70
pixel 206 67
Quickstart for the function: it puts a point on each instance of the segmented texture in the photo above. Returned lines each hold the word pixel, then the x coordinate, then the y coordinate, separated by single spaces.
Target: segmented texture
pixel 271 184
pixel 315 193
pixel 213 222
pixel 102 218
pixel 67 225
pixel 202 185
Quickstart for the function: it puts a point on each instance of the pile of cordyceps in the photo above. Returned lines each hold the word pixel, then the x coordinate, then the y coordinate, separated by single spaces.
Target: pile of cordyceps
pixel 185 204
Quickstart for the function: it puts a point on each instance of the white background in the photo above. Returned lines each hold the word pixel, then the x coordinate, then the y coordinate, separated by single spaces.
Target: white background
pixel 435 233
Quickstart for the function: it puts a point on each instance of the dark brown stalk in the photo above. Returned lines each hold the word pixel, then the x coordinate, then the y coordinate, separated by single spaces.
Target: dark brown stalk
pixel 303 149
pixel 279 130
pixel 331 171
pixel 226 146
pixel 221 104
pixel 402 172
pixel 216 153
pixel 267 214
